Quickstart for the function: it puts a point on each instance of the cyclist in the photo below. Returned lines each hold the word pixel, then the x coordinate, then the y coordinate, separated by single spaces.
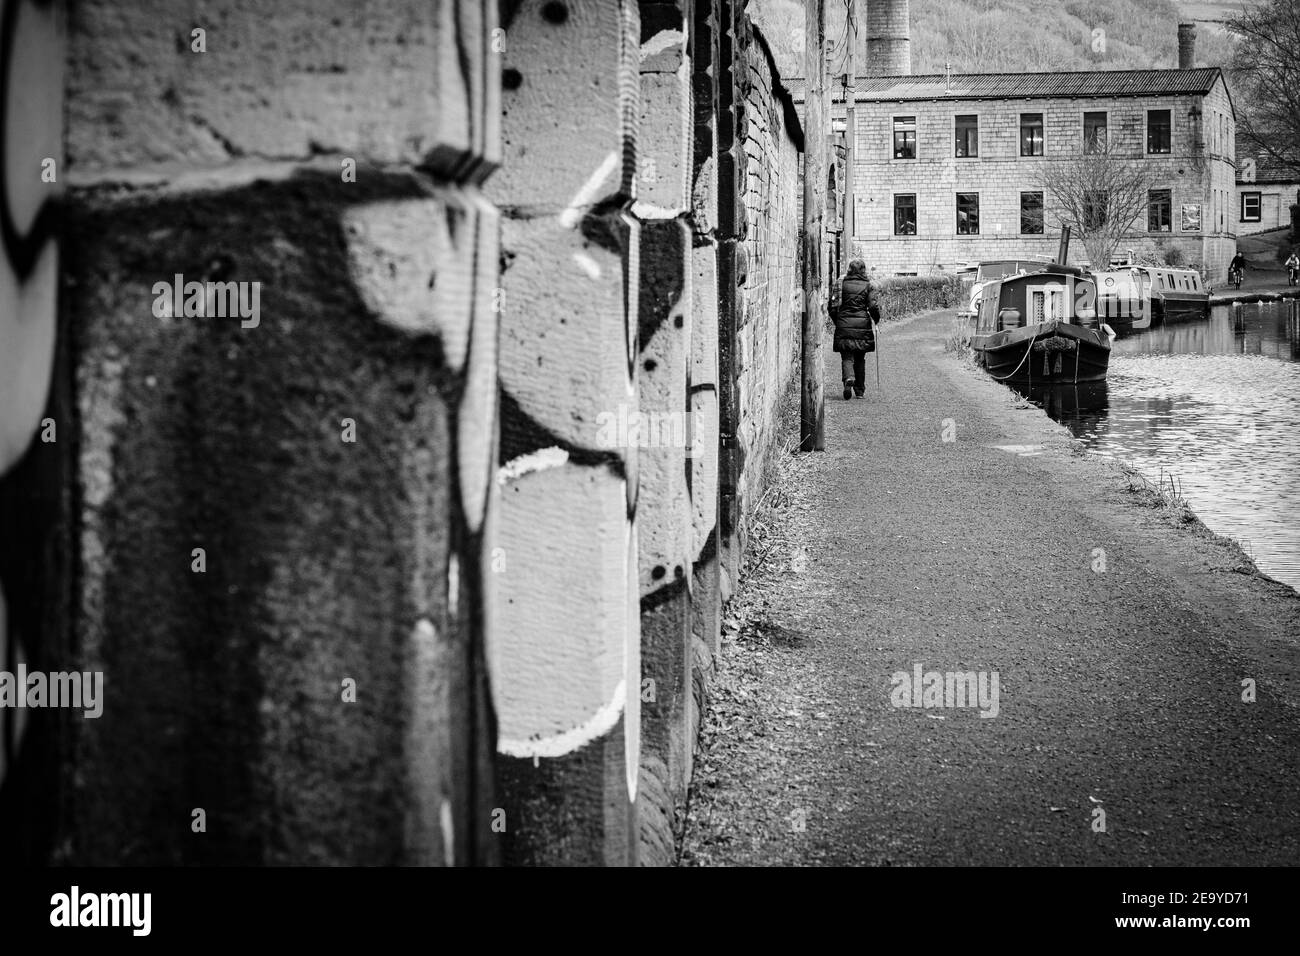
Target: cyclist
pixel 1237 267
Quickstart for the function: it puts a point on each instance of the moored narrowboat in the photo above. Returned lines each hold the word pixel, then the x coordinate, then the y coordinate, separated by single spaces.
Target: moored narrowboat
pixel 1042 328
pixel 1137 297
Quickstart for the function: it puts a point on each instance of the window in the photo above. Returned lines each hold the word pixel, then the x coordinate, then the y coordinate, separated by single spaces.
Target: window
pixel 968 136
pixel 905 215
pixel 904 137
pixel 1250 206
pixel 1094 132
pixel 1159 131
pixel 1160 210
pixel 1031 134
pixel 968 214
pixel 1031 214
pixel 1094 208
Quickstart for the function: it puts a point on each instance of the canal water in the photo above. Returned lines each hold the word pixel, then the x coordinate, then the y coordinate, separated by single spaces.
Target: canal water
pixel 1216 403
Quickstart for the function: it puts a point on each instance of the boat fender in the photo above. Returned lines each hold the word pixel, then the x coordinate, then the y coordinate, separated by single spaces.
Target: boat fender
pixel 1110 333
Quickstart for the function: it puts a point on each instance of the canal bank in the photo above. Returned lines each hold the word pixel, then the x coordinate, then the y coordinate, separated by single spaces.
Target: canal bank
pixel 1213 403
pixel 1261 285
pixel 1254 295
pixel 953 526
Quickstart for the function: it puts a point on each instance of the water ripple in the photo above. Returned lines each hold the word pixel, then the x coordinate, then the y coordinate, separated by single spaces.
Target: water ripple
pixel 1217 404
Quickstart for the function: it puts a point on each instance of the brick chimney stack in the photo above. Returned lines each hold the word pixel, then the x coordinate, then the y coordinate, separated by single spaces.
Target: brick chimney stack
pixel 1186 46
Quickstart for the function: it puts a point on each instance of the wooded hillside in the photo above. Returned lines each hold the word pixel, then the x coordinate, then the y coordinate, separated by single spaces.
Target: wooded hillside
pixel 994 36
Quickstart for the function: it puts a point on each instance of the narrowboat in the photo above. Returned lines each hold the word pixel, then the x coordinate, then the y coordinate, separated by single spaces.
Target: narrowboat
pixel 1138 297
pixel 1041 328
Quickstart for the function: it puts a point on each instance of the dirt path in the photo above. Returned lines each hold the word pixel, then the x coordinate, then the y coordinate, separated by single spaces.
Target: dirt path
pixel 1119 691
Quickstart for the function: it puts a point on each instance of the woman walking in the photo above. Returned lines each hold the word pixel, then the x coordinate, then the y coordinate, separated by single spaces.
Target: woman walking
pixel 855 313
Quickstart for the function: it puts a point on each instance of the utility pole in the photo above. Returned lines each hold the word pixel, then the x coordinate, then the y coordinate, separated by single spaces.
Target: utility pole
pixel 850 107
pixel 812 406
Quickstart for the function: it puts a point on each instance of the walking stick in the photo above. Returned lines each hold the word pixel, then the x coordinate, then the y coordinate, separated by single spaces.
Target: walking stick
pixel 875 330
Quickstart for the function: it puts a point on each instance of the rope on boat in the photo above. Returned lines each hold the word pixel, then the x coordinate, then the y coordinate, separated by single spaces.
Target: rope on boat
pixel 1029 348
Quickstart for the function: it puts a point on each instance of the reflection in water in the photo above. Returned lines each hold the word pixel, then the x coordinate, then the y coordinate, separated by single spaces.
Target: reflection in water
pixel 1253 328
pixel 1081 407
pixel 1217 403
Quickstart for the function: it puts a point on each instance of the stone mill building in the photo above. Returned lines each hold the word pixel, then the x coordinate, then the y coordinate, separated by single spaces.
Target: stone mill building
pixel 947 167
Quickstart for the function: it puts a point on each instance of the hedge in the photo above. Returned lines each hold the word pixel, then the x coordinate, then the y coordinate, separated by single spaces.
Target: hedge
pixel 901 296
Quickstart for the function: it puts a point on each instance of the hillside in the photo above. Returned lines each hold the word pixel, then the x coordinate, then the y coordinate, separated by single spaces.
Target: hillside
pixel 982 36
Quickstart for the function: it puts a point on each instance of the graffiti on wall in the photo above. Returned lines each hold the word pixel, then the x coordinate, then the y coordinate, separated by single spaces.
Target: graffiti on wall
pixel 565 654
pixel 31 91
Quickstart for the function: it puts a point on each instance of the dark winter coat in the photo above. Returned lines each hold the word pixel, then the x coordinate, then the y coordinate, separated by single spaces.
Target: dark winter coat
pixel 854 316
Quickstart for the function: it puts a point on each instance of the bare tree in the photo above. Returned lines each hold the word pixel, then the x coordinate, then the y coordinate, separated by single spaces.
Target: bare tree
pixel 1100 194
pixel 1267 64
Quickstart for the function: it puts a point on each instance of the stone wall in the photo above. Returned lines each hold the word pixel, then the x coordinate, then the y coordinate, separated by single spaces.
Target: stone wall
pixel 761 292
pixel 375 448
pixel 768 327
pixel 275 494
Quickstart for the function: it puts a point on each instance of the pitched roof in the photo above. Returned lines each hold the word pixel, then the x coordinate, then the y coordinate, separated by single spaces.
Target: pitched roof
pixel 1267 169
pixel 990 86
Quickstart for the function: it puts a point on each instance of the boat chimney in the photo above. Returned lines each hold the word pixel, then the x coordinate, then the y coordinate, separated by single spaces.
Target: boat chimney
pixel 1186 46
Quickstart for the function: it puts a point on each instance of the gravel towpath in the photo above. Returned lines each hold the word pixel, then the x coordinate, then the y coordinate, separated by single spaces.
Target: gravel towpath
pixel 1120 630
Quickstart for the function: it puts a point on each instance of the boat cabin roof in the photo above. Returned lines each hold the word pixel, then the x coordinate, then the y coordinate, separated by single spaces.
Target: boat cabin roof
pixel 1052 275
pixel 1161 279
pixel 997 268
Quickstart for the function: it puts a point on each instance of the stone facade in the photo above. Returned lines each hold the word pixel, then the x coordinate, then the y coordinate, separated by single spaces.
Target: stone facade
pixel 1196 176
